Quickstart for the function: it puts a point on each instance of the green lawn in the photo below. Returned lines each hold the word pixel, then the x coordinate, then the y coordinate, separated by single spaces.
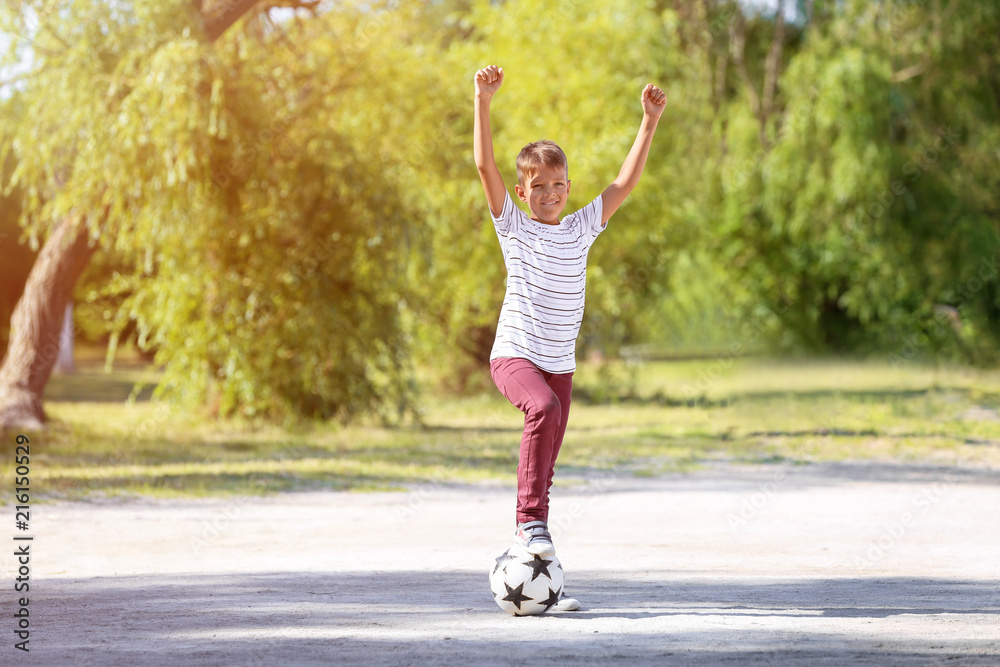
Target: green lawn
pixel 644 418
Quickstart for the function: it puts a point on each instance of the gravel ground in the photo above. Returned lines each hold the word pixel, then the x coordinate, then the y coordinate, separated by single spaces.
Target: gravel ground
pixel 822 564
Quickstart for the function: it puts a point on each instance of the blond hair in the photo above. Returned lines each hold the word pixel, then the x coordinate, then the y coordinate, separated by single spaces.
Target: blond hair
pixel 537 153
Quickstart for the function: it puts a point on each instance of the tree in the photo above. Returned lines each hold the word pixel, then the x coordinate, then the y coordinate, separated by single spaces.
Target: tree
pixel 797 184
pixel 860 210
pixel 285 292
pixel 74 45
pixel 946 125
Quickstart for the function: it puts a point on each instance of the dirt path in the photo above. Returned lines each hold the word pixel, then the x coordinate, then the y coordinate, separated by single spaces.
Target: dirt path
pixel 845 564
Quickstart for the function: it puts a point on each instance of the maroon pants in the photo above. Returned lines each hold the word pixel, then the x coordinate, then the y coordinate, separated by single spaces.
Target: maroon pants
pixel 544 399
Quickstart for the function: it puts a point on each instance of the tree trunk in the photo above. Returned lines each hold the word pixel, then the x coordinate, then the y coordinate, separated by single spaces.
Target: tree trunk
pixel 38 316
pixel 65 363
pixel 36 324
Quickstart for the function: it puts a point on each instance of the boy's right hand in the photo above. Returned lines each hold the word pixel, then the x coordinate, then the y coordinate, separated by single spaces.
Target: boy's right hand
pixel 488 81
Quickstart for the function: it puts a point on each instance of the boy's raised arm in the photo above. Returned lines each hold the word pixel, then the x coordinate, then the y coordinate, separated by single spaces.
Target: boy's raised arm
pixel 653 102
pixel 488 81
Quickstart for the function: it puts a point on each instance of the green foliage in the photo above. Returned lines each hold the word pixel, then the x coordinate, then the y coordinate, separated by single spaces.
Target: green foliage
pixel 856 215
pixel 285 297
pixel 946 130
pixel 291 216
pixel 269 247
pixel 796 213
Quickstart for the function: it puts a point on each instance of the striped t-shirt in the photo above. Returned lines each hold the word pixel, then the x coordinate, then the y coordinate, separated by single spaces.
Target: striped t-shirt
pixel 546 284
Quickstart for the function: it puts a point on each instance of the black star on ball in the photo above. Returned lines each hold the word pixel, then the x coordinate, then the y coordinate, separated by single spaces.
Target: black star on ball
pixel 539 566
pixel 501 559
pixel 516 595
pixel 551 600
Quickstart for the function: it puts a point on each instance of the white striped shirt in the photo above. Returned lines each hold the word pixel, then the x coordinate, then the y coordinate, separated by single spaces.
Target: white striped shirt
pixel 546 284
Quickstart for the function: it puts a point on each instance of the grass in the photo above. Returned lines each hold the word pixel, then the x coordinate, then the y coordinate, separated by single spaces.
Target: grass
pixel 643 418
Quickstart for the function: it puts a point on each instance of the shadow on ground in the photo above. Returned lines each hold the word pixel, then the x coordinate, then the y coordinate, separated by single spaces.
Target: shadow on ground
pixel 448 618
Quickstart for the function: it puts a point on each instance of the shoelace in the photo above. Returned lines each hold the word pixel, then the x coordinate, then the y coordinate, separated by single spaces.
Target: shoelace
pixel 539 532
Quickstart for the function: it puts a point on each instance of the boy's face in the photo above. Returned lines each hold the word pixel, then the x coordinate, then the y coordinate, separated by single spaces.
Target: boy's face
pixel 545 193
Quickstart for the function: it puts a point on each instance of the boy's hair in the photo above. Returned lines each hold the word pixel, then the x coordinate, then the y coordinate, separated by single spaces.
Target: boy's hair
pixel 536 154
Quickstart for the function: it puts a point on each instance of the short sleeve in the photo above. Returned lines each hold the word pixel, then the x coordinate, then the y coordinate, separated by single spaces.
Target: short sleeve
pixel 589 218
pixel 506 221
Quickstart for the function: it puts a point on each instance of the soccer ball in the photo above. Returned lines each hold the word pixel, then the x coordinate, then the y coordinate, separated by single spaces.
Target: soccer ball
pixel 524 584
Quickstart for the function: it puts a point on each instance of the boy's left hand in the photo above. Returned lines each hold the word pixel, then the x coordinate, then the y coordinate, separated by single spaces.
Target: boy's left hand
pixel 653 100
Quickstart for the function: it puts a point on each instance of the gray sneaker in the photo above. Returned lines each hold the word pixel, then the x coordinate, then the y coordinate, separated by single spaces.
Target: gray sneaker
pixel 534 536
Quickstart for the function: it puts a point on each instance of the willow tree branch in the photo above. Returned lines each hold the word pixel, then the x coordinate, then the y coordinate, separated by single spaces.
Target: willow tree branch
pixel 773 63
pixel 223 14
pixel 737 47
pixel 911 71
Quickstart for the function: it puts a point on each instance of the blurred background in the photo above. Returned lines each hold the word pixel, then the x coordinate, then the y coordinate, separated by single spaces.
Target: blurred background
pixel 269 210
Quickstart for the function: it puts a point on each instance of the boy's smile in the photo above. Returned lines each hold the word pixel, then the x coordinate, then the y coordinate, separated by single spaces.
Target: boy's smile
pixel 545 194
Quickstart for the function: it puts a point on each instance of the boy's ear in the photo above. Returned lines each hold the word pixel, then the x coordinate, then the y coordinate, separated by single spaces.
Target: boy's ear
pixel 520 193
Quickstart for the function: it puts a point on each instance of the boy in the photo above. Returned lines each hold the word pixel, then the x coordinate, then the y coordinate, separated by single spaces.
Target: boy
pixel 534 354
